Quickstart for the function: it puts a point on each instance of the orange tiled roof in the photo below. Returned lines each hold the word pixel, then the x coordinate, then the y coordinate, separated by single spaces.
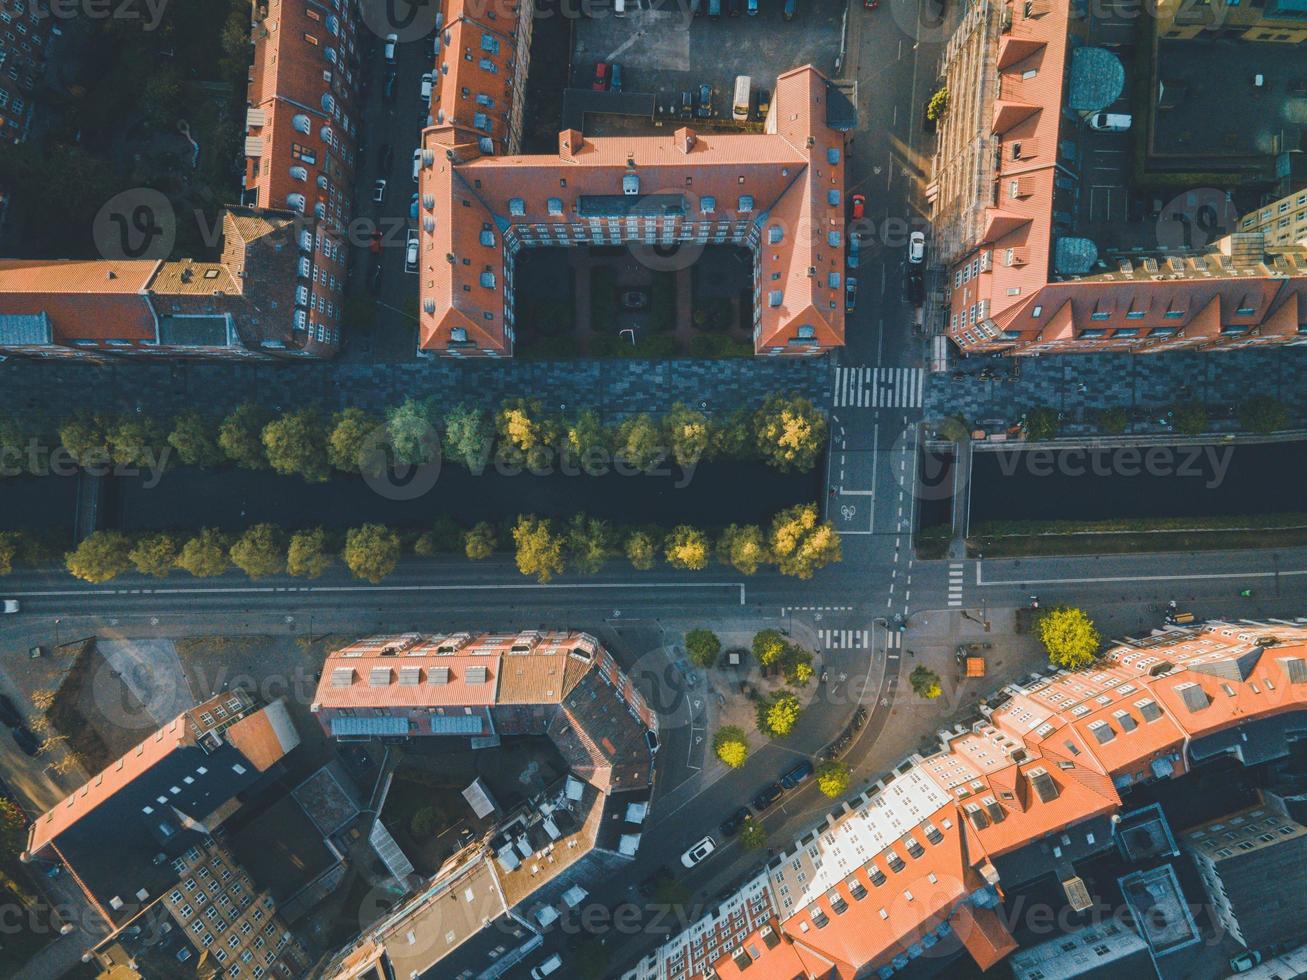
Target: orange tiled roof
pixel 85 300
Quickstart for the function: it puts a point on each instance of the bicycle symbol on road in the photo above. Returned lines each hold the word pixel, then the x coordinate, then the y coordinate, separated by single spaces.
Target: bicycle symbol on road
pixel 847 511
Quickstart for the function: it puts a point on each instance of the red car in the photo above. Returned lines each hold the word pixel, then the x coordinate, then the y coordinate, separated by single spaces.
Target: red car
pixel 871 4
pixel 859 206
pixel 374 246
pixel 602 77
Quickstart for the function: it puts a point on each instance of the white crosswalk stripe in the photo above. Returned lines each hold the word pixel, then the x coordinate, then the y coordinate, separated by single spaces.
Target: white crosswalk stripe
pixel 844 639
pixel 893 641
pixel 865 387
pixel 955 570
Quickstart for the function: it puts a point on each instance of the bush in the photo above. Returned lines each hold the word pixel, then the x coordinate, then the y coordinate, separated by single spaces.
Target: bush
pixel 731 745
pixel 641 550
pixel 479 543
pixel 1190 418
pixel 703 646
pixel 687 548
pixel 100 557
pixel 260 551
pixel 308 556
pixel 833 779
pixel 154 554
pixel 1263 414
pixel 937 106
pixel 424 821
pixel 925 683
pixel 1042 423
pixel 778 714
pixel 371 552
pixel 790 433
pixel 1114 420
pixel 1069 637
pixel 205 555
pixel 718 345
pixel 768 647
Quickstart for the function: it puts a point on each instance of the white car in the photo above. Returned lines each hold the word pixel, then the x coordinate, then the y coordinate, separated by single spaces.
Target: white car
pixel 379 191
pixel 417 162
pixel 428 80
pixel 9 607
pixel 547 967
pixel 698 852
pixel 1109 122
pixel 391 41
pixel 916 247
pixel 411 251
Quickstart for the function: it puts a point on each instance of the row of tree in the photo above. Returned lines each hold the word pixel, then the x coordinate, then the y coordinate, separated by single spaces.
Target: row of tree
pixel 786 432
pixel 797 542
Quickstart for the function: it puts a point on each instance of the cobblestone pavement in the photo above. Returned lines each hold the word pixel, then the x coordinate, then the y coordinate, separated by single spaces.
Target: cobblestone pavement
pixel 1078 385
pixel 614 388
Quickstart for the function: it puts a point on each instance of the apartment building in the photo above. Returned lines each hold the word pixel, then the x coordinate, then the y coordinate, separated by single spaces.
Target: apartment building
pixel 24 37
pixel 778 193
pixel 1273 21
pixel 1282 222
pixel 170 895
pixel 1020 277
pixel 922 857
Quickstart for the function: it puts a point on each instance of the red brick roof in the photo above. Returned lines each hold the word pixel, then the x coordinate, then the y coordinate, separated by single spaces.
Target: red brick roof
pixel 85 300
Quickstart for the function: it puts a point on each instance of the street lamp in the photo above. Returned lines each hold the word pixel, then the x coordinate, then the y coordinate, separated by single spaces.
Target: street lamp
pixel 56 633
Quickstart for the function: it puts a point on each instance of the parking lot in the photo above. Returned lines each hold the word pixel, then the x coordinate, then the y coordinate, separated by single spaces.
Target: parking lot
pixel 664 51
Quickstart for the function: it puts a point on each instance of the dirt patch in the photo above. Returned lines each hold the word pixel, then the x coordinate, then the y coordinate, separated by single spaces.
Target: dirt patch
pixel 81 714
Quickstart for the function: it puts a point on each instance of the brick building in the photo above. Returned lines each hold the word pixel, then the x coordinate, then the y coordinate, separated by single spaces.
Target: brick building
pixel 1282 222
pixel 24 36
pixel 1020 278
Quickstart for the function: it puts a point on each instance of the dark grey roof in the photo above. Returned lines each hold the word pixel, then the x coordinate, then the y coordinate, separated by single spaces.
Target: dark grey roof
pixel 604 205
pixel 1256 742
pixel 25 329
pixel 193 331
pixel 841 113
pixel 1036 859
pixel 1193 696
pixel 1234 668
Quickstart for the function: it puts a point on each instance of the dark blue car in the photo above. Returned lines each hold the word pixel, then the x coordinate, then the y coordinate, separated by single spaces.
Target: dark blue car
pixel 796 775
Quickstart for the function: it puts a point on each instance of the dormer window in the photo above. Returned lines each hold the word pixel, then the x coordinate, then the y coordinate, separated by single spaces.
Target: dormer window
pixel 746 203
pixel 807 332
pixel 774 235
pixel 516 207
pixel 707 205
pixel 630 184
pixel 458 335
pixel 300 123
pixel 556 206
pixel 299 173
pixel 833 155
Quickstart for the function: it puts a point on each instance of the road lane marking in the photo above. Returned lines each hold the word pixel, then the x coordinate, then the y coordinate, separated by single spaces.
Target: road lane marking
pixel 1133 578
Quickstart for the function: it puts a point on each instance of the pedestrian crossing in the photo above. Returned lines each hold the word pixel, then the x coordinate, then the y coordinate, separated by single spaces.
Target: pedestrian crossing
pixel 955 570
pixel 865 387
pixel 844 639
pixel 893 643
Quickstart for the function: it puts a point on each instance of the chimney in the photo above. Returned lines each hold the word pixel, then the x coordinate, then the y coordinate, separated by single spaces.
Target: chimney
pixel 570 142
pixel 685 139
pixel 112 274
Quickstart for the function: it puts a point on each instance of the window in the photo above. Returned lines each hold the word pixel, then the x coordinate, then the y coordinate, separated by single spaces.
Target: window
pixel 774 297
pixel 774 234
pixel 1100 315
pixel 833 154
pixel 516 207
pixel 746 203
pixel 833 197
pixel 1029 73
pixel 707 205
pixel 490 66
pixel 555 206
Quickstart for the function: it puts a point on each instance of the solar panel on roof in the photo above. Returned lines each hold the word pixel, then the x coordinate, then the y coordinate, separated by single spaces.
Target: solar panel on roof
pixel 1297 669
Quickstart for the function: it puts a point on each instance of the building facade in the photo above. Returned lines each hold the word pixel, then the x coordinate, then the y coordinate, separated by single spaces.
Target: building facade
pixel 1273 21
pixel 1282 222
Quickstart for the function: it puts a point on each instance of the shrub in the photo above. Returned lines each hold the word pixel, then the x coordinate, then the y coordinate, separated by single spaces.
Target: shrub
pixel 1042 423
pixel 925 683
pixel 703 646
pixel 100 557
pixel 1114 420
pixel 308 556
pixel 205 555
pixel 687 548
pixel 1263 414
pixel 938 105
pixel 154 554
pixel 260 551
pixel 731 745
pixel 371 552
pixel 1190 418
pixel 833 778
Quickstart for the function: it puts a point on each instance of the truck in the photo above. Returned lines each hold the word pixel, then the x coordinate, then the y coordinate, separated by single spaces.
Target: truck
pixel 743 92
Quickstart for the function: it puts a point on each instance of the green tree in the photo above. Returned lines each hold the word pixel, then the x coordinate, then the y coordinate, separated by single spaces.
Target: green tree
pixel 588 441
pixel 796 665
pixel 589 543
pixel 445 537
pixel 539 549
pixel 731 745
pixel 161 98
pixel 350 443
pixel 194 438
pixel 1190 418
pixel 521 424
pixel 687 547
pixel 641 443
pixel 742 547
pixel 1263 414
pixel 790 433
pixel 768 647
pixel 469 437
pixel 84 438
pixel 1042 423
pixel 801 543
pixel 703 646
pixel 833 778
pixel 240 436
pixel 371 551
pixel 641 550
pixel 1114 421
pixel 778 714
pixel 13 829
pixel 133 440
pixel 938 105
pixel 480 542
pixel 1069 637
pixel 753 836
pixel 205 555
pixel 296 445
pixel 8 552
pixel 412 432
pixel 260 551
pixel 154 554
pixel 925 683
pixel 734 438
pixel 689 433
pixel 308 555
pixel 101 556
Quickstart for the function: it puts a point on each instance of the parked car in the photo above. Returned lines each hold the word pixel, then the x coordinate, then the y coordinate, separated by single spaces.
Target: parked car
pixel 764 102
pixel 25 740
pixel 651 740
pixel 388 86
pixel 792 777
pixel 767 796
pixel 1109 122
pixel 703 101
pixel 854 247
pixel 428 79
pixel 374 243
pixel 732 824
pixel 859 206
pixel 601 79
pixel 379 191
pixel 9 607
pixel 616 78
pixel 1245 961
pixel 714 8
pixel 791 8
pixel 871 4
pixel 753 8
pixel 542 970
pixel 417 163
pixel 914 288
pixel 9 712
pixel 411 251
pixel 413 208
pixel 687 105
pixel 698 852
pixel 850 293
pixel 916 247
pixel 691 678
pixel 392 40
